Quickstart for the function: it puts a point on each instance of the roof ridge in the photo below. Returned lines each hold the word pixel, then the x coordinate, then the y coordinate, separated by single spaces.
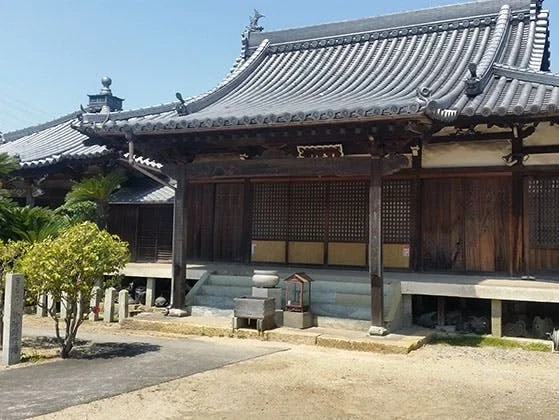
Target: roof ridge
pixel 239 67
pixel 526 74
pixel 230 82
pixel 17 134
pixel 480 73
pixel 135 112
pixel 390 22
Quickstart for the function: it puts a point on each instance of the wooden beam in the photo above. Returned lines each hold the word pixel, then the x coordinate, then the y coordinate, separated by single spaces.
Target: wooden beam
pixel 178 292
pixel 279 167
pixel 459 138
pixel 537 150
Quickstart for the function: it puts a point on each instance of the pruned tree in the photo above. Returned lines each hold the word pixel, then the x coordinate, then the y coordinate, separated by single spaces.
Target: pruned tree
pixel 67 267
pixel 97 190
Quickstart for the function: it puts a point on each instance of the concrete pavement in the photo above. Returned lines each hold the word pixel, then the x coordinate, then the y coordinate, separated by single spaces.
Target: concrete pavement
pixel 111 365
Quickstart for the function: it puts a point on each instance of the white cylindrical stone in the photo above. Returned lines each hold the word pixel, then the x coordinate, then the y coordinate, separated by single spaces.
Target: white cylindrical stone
pixel 109 309
pixel 13 319
pixel 265 278
pixel 122 305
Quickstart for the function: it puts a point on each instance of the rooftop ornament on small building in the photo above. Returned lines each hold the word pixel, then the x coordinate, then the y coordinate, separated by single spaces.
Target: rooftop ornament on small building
pixel 105 101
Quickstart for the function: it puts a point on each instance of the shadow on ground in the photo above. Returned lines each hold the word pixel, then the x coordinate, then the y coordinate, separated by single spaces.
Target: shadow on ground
pixel 45 342
pixel 111 350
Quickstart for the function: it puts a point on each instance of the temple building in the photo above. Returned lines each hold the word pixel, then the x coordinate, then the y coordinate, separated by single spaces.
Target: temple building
pixel 423 142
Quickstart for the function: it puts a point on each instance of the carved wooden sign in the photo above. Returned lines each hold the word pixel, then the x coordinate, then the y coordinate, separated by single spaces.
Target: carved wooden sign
pixel 320 151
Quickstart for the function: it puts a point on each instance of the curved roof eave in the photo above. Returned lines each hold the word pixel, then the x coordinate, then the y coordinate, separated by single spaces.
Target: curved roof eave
pixel 213 110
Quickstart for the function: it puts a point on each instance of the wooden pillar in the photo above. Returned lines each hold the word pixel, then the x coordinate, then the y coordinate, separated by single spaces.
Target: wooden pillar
pixel 247 222
pixel 375 250
pixel 416 253
pixel 517 258
pixel 178 282
pixel 441 311
pixel 29 199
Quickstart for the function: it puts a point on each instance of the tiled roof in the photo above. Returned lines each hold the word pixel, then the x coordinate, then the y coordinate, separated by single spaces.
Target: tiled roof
pixel 49 143
pixel 402 64
pixel 55 141
pixel 512 91
pixel 143 191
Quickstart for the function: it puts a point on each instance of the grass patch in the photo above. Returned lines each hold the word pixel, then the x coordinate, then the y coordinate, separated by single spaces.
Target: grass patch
pixel 487 341
pixel 32 357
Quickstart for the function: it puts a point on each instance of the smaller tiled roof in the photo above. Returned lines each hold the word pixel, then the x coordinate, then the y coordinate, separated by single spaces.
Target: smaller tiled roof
pixel 143 191
pixel 50 143
pixel 514 91
pixel 55 141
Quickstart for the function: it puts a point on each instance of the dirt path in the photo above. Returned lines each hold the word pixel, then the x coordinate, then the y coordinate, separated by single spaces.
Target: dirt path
pixel 319 383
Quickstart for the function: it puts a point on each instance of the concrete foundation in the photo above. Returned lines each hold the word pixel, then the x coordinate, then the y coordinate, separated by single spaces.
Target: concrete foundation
pixel 150 292
pixel 297 319
pixel 496 318
pixel 262 324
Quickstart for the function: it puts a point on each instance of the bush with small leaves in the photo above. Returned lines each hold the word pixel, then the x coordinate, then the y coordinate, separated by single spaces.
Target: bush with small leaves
pixel 67 267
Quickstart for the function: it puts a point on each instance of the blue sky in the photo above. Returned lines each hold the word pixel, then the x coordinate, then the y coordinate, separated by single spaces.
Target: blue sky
pixel 53 53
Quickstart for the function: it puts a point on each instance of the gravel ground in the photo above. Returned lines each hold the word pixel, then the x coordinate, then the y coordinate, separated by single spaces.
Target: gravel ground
pixel 318 383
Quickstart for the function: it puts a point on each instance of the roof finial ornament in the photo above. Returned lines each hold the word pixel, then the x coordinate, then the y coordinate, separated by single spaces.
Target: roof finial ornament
pixel 181 107
pixel 106 82
pixel 253 26
pixel 253 22
pixel 473 85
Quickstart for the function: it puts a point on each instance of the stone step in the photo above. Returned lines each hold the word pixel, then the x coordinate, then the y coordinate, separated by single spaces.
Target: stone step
pixel 220 302
pixel 211 311
pixel 320 286
pixel 341 311
pixel 226 291
pixel 341 299
pixel 342 277
pixel 226 280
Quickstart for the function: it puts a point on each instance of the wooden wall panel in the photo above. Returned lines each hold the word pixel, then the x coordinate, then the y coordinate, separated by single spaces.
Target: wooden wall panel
pixel 466 224
pixel 442 221
pixel 123 221
pixel 305 252
pixel 268 251
pixel 543 260
pixel 155 224
pixel 228 223
pixel 487 224
pixel 200 220
pixel 347 253
pixel 396 256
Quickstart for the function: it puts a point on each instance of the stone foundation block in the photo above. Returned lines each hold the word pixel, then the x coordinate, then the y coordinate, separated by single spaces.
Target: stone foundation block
pixel 297 319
